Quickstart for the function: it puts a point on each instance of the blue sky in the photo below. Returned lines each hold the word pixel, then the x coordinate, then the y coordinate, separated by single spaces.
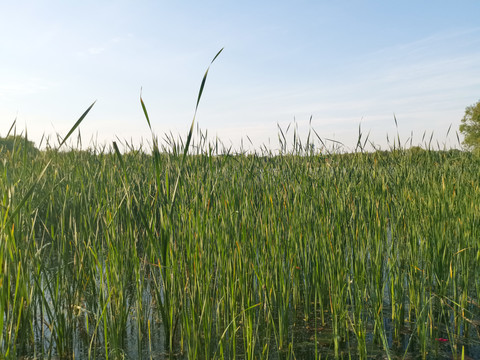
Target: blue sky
pixel 343 63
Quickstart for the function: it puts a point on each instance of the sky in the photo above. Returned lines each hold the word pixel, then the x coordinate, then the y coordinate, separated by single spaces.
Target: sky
pixel 337 67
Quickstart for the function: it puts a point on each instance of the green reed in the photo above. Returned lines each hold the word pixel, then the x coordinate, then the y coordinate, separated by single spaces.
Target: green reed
pixel 335 243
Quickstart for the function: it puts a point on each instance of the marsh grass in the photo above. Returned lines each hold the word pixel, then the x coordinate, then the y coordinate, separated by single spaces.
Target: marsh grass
pixel 189 251
pixel 357 252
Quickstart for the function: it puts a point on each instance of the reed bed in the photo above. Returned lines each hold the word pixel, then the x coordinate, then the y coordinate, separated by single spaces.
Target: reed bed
pixel 288 256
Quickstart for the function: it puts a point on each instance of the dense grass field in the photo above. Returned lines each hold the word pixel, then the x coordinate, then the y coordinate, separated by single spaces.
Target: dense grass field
pixel 294 256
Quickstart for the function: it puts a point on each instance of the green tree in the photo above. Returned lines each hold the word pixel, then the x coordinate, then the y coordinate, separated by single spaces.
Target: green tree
pixel 11 143
pixel 470 127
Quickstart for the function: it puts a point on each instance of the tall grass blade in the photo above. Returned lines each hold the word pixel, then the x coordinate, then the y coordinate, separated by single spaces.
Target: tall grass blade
pixel 190 133
pixel 76 125
pixel 28 194
pixel 144 108
pixel 11 127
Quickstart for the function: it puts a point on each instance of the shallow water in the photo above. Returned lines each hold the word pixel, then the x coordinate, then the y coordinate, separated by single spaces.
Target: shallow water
pixel 306 340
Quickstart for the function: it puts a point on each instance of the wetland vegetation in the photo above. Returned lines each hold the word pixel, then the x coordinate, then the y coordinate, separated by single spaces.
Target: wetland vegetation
pixel 297 255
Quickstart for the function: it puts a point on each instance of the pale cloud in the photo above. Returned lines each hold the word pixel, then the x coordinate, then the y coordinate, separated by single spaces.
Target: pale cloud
pixel 119 39
pixel 27 86
pixel 96 50
pixel 106 45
